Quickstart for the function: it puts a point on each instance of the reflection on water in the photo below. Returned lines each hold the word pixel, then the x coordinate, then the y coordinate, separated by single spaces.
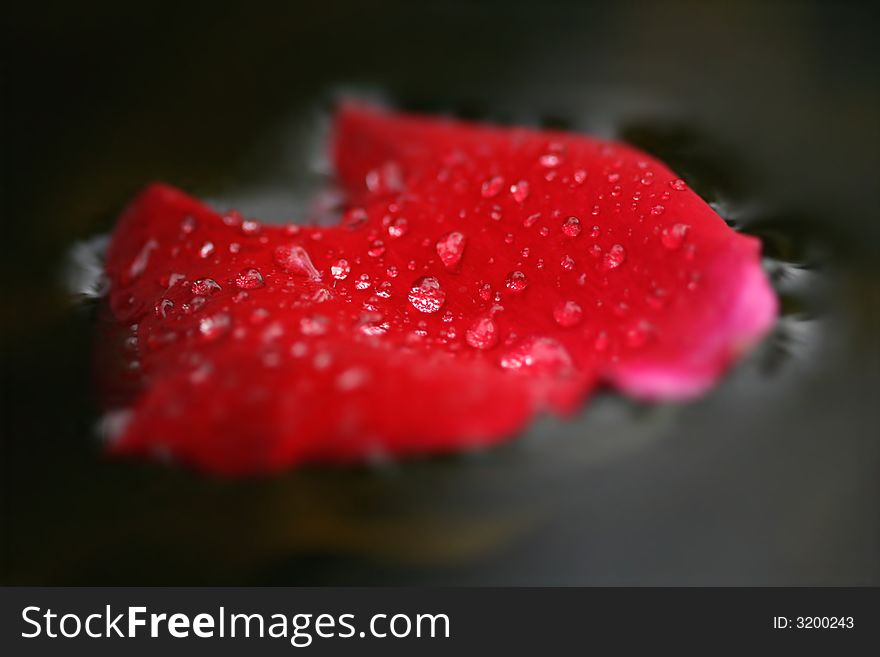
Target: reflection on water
pixel 772 478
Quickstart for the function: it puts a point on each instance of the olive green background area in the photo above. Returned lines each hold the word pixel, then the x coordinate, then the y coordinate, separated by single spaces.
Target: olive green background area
pixel 768 109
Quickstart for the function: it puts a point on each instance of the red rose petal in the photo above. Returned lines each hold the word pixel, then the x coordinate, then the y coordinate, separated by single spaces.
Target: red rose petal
pixel 479 275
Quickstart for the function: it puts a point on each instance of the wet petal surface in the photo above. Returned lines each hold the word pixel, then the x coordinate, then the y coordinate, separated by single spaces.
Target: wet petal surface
pixel 479 275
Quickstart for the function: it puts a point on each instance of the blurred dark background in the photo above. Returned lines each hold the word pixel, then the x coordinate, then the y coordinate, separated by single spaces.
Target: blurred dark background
pixel 769 109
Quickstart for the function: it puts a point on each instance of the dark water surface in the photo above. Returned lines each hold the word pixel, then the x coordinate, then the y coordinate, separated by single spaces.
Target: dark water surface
pixel 769 110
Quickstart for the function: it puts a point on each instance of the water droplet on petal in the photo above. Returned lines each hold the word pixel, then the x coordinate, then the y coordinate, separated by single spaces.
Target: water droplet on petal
pixel 549 160
pixel 249 279
pixel 544 355
pixel 171 279
pixel 386 179
pixel 572 227
pixel 188 225
pixel 678 184
pixel 516 281
pixel 492 187
pixel 258 316
pixel 398 227
pixel 483 333
pixel 614 257
pixel 530 221
pixel 352 378
pixel 250 227
pixel 657 210
pixel 214 326
pixel 672 237
pixel 520 191
pixel 321 295
pixel 567 263
pixel 205 287
pixel 195 305
pixel 232 218
pixel 340 269
pixel 384 290
pixel 163 307
pixel 568 314
pixel 376 248
pixel 426 295
pixel 139 263
pixel 315 325
pixel 371 324
pixel 451 249
pixel 295 259
pixel 322 360
pixel 206 250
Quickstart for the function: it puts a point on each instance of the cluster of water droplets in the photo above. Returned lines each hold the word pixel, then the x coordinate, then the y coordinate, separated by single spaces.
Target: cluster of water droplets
pixel 591 254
